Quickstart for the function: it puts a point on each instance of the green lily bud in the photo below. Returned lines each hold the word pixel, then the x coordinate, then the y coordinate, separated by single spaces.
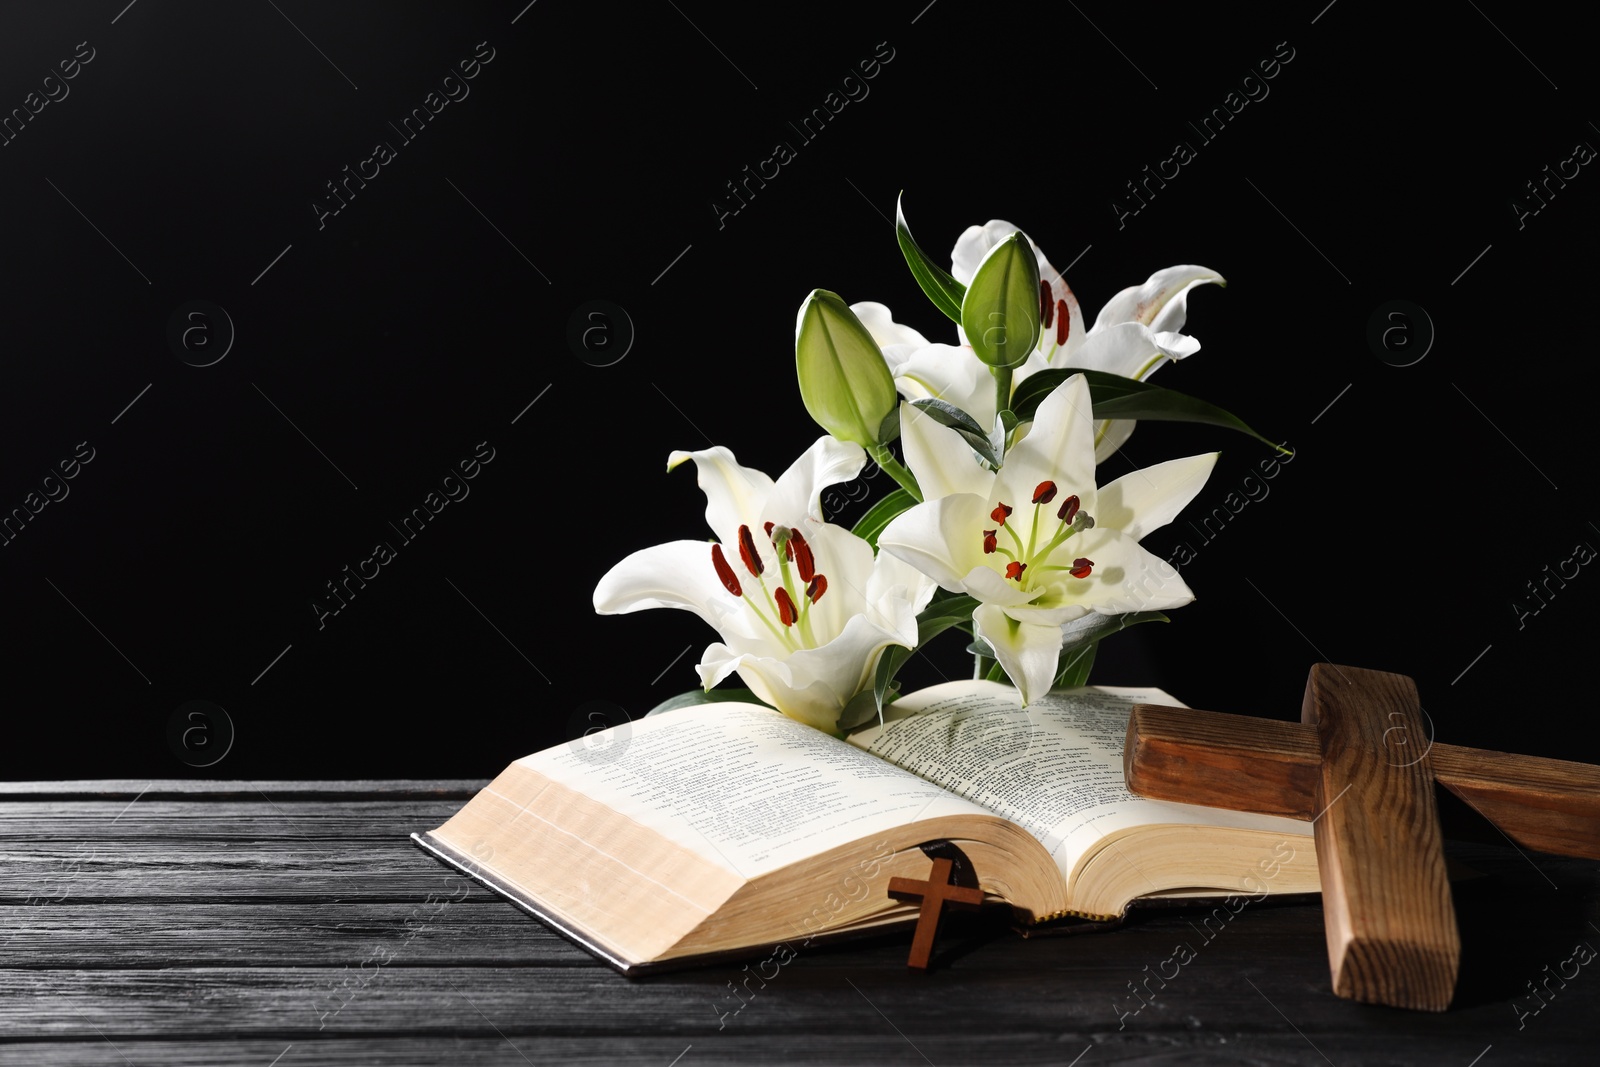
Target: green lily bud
pixel 1000 312
pixel 844 380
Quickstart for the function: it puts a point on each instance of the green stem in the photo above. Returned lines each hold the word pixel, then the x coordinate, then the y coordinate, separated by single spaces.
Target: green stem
pixel 885 459
pixel 980 666
pixel 1002 388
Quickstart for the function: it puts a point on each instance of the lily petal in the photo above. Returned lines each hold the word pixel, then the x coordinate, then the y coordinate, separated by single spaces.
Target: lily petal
pixel 943 463
pixel 895 582
pixel 1059 448
pixel 1161 302
pixel 952 374
pixel 1145 500
pixel 1176 345
pixel 880 323
pixel 734 494
pixel 1027 652
pixel 1127 577
pixel 1126 348
pixel 989 586
pixel 1112 435
pixel 798 492
pixel 678 574
pixel 847 562
pixel 811 685
pixel 941 538
pixel 976 242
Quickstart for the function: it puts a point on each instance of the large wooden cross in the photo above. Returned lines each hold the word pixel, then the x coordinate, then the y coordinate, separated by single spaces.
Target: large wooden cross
pixel 1361 766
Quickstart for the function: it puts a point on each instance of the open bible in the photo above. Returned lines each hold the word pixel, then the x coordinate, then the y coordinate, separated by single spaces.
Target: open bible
pixel 728 828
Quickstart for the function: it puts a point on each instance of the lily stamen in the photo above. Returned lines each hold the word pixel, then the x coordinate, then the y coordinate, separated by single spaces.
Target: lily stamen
pixel 800 552
pixel 1080 568
pixel 786 610
pixel 998 515
pixel 748 553
pixel 725 575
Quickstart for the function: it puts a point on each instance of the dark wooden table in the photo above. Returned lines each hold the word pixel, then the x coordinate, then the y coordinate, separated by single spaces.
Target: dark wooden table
pixel 291 923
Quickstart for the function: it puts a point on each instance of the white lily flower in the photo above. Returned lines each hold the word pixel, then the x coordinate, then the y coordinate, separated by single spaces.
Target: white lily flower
pixel 803 607
pixel 1037 542
pixel 1137 331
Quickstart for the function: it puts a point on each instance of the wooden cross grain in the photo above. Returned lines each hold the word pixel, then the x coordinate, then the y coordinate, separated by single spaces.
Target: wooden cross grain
pixel 936 892
pixel 1360 766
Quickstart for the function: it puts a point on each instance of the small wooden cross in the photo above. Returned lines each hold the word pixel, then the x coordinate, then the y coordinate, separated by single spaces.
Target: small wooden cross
pixel 1360 766
pixel 936 892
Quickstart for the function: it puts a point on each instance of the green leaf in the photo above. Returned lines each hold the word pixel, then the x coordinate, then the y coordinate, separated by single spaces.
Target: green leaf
pixel 1000 313
pixel 1116 397
pixel 871 524
pixel 862 707
pixel 1073 667
pixel 947 414
pixel 705 696
pixel 889 428
pixel 1095 627
pixel 1080 640
pixel 945 292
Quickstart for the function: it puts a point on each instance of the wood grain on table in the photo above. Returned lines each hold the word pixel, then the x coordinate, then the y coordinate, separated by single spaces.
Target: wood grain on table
pixel 291 923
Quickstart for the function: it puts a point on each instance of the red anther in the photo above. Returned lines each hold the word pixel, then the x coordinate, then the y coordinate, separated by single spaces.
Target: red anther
pixel 748 553
pixel 768 527
pixel 1069 508
pixel 1014 569
pixel 1045 492
pixel 989 541
pixel 800 552
pixel 1000 512
pixel 1063 322
pixel 1046 305
pixel 730 581
pixel 818 586
pixel 786 613
pixel 1081 567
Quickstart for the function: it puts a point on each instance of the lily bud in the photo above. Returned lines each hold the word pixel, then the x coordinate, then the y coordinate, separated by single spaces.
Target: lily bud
pixel 844 380
pixel 1000 312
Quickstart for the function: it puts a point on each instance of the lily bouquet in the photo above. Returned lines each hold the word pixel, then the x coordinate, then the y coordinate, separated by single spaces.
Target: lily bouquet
pixel 998 527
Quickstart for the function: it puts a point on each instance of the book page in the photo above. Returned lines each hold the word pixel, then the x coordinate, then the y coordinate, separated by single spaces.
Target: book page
pixel 1054 768
pixel 742 785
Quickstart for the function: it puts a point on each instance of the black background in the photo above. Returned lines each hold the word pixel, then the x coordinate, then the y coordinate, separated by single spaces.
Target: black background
pixel 414 324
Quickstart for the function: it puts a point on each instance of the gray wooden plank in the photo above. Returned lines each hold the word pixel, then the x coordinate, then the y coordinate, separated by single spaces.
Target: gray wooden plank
pixel 207 934
pixel 167 872
pixel 243 819
pixel 1063 993
pixel 844 1046
pixel 226 929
